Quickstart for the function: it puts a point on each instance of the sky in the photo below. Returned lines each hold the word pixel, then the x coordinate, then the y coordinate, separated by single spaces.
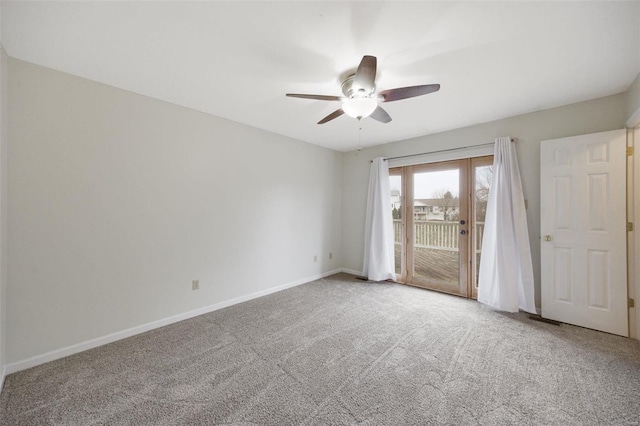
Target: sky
pixel 428 183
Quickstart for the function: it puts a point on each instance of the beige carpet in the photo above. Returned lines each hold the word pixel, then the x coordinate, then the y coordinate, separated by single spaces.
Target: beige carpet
pixel 340 351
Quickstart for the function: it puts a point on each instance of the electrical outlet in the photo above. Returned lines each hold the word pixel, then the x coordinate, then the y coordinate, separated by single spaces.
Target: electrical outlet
pixel 330 255
pixel 315 258
pixel 195 285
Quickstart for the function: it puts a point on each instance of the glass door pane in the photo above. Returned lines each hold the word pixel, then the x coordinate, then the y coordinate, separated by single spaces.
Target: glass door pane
pixel 395 180
pixel 481 174
pixel 438 256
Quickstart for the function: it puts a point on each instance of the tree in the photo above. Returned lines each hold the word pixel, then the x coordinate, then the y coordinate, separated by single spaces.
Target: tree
pixel 483 184
pixel 396 213
pixel 447 203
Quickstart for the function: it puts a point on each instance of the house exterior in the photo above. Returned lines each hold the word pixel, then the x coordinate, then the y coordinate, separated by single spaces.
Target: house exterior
pixel 445 209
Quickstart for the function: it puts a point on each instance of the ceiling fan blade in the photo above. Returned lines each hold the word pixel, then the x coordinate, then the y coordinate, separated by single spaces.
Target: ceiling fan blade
pixel 335 114
pixel 408 92
pixel 365 78
pixel 380 115
pixel 316 97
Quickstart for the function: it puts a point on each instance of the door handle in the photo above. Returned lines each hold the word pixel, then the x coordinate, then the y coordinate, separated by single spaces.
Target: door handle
pixel 548 238
pixel 463 232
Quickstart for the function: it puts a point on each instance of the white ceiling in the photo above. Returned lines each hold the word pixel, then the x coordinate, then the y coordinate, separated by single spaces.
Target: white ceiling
pixel 237 59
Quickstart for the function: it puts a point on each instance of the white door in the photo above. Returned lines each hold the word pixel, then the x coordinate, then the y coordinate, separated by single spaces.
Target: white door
pixel 583 228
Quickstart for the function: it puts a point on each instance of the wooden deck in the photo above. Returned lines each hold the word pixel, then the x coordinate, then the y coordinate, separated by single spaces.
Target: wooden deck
pixel 437 265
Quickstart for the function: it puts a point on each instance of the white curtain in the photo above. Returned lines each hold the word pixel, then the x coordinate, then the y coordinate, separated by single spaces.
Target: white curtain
pixel 505 279
pixel 379 261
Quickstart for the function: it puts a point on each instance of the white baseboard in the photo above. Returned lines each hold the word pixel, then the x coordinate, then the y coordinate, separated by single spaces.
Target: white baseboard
pixel 3 374
pixel 351 271
pixel 109 338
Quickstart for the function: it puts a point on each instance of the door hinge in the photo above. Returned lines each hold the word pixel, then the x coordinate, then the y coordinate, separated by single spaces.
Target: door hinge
pixel 629 151
pixel 632 303
pixel 629 226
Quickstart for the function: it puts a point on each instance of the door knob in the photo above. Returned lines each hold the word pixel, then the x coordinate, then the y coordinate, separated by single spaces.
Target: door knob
pixel 462 222
pixel 548 238
pixel 463 232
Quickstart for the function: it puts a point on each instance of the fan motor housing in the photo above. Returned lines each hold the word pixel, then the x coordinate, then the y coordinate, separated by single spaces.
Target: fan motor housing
pixel 350 92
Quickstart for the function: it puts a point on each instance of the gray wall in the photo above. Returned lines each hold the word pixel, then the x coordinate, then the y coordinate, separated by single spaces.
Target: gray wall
pixel 586 117
pixel 633 98
pixel 3 210
pixel 118 201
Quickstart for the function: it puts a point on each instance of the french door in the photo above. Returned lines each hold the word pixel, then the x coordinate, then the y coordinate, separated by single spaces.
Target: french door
pixel 438 211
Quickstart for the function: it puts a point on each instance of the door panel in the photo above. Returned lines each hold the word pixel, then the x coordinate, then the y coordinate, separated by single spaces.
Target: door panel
pixel 562 202
pixel 583 223
pixel 435 237
pixel 563 279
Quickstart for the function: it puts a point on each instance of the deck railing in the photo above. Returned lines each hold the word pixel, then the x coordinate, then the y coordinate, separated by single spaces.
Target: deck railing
pixel 437 235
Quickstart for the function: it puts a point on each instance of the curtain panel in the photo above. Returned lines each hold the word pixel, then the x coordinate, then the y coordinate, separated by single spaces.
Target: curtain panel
pixel 379 260
pixel 505 279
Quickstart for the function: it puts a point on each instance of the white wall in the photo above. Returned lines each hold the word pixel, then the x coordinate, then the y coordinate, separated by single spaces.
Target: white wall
pixel 117 201
pixel 586 117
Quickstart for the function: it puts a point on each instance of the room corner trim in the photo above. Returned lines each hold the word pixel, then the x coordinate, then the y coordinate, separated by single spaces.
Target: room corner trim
pixel 634 120
pixel 3 374
pixel 351 271
pixel 109 338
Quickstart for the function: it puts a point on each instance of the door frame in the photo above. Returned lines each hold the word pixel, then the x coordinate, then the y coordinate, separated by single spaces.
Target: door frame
pixel 633 237
pixel 467 246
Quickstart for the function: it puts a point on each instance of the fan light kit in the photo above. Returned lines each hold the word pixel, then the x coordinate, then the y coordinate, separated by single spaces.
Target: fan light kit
pixel 359 107
pixel 360 99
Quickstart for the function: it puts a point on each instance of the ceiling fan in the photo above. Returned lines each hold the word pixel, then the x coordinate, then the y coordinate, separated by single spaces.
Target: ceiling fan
pixel 360 97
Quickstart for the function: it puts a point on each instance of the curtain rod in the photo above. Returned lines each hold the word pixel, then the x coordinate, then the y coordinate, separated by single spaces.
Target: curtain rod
pixel 443 150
